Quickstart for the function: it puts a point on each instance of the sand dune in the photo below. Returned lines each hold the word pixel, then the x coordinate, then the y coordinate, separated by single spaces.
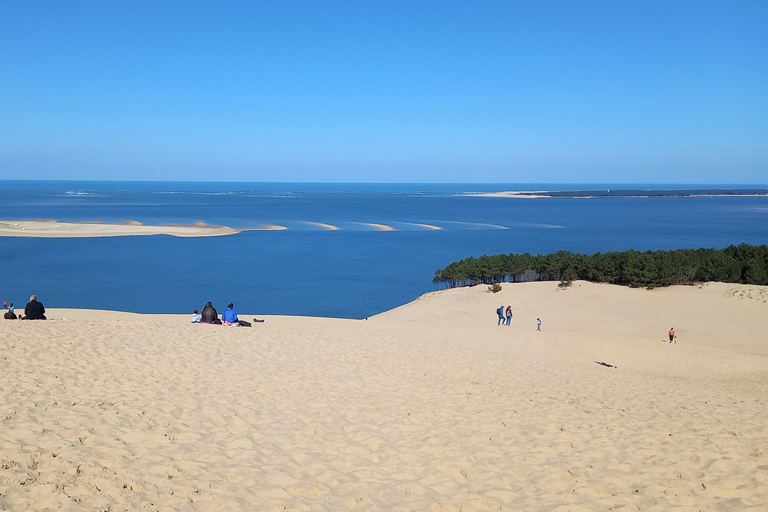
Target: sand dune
pixel 430 406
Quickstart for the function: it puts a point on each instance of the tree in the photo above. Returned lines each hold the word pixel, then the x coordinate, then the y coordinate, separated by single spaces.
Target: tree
pixel 569 276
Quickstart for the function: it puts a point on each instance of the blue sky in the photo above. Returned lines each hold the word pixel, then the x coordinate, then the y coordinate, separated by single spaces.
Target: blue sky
pixel 391 91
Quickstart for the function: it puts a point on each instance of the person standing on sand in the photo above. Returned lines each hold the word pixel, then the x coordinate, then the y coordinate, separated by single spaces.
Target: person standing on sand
pixel 671 334
pixel 509 314
pixel 5 304
pixel 500 312
pixel 538 324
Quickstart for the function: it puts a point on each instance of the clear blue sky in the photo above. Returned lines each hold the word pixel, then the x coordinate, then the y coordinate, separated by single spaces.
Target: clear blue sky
pixel 392 91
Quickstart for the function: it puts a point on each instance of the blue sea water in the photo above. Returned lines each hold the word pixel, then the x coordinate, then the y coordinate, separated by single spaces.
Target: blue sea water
pixel 354 272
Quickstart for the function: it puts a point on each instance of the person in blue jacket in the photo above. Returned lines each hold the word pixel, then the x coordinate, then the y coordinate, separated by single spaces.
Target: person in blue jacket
pixel 229 317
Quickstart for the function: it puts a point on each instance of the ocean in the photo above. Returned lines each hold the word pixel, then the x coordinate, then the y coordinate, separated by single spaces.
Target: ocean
pixel 353 272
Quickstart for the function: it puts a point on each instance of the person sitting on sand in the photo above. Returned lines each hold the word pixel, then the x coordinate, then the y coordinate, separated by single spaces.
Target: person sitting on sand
pixel 210 315
pixel 196 317
pixel 34 310
pixel 229 317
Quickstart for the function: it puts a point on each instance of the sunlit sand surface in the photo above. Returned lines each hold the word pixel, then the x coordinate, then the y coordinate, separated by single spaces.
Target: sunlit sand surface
pixel 431 406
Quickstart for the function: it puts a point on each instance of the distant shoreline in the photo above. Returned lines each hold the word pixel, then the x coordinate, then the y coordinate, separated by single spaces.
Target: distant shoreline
pixel 588 194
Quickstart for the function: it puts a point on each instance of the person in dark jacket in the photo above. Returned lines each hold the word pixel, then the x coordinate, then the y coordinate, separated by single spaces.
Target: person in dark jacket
pixel 210 315
pixel 34 310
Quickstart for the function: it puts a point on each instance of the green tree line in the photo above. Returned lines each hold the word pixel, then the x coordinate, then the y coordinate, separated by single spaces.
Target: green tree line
pixel 743 263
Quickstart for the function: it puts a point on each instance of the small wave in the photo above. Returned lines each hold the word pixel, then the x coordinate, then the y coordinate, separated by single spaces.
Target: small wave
pixel 81 193
pixel 189 193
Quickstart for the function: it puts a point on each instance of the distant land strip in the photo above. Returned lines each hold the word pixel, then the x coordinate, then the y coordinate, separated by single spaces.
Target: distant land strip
pixel 710 192
pixel 55 229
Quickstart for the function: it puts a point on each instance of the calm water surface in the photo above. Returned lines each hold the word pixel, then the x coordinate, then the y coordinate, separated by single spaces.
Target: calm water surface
pixel 354 272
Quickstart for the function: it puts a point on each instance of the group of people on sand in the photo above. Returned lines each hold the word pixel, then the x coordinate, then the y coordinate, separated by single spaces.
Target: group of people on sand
pixel 505 317
pixel 228 317
pixel 34 310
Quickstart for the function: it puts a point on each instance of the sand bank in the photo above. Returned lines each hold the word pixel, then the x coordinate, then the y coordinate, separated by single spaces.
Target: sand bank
pixel 428 226
pixel 430 406
pixel 510 193
pixel 380 227
pixel 329 227
pixel 55 229
pixel 646 193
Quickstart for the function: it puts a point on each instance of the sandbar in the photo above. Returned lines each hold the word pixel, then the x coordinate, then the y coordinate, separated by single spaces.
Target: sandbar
pixel 380 227
pixel 509 193
pixel 55 229
pixel 429 406
pixel 428 226
pixel 330 227
pixel 614 193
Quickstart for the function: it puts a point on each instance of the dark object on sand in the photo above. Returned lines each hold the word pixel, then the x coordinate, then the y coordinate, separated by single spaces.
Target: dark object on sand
pixel 210 315
pixel 606 364
pixel 34 310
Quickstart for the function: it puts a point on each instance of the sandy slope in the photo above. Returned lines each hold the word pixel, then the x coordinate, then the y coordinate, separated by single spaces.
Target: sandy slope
pixel 431 406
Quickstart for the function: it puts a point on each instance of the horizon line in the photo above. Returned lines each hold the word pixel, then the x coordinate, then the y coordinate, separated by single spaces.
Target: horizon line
pixel 496 183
